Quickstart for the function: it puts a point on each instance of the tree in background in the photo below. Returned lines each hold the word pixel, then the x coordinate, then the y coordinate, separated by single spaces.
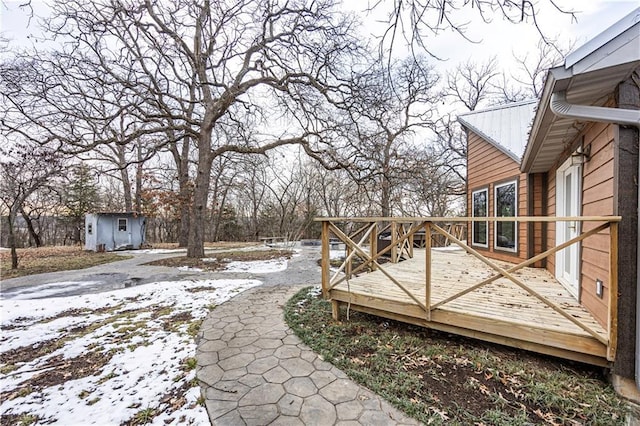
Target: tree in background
pixel 212 72
pixel 80 195
pixel 384 110
pixel 24 169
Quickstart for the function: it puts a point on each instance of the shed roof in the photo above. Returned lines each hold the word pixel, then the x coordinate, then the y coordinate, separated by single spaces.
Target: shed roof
pixel 134 214
pixel 505 126
pixel 588 76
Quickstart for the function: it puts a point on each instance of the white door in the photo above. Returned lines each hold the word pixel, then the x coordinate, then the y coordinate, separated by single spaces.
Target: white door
pixel 568 200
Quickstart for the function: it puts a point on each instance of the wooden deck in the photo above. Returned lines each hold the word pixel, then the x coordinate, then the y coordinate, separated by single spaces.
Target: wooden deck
pixel 500 312
pixel 462 292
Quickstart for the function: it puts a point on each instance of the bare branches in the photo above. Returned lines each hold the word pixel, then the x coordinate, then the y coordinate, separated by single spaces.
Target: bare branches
pixel 471 82
pixel 418 20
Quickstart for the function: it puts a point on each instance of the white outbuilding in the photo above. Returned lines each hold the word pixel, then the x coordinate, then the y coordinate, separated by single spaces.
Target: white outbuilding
pixel 114 231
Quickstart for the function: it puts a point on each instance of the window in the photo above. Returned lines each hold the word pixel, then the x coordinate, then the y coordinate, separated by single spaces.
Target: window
pixel 90 228
pixel 479 209
pixel 506 235
pixel 122 225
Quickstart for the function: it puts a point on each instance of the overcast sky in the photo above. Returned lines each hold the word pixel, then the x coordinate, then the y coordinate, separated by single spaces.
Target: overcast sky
pixel 498 38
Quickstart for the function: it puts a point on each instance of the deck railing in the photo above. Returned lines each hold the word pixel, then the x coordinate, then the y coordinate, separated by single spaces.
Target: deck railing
pixel 362 243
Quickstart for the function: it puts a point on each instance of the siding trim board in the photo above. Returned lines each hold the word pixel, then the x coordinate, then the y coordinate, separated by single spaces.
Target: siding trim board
pixel 474 224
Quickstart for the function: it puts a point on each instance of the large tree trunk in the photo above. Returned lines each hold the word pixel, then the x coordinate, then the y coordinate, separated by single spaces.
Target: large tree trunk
pixel 126 181
pixel 182 162
pixel 195 249
pixel 385 197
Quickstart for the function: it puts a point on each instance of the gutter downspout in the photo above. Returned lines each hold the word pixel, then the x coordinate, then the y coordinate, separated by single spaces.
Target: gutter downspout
pixel 562 108
pixel 630 117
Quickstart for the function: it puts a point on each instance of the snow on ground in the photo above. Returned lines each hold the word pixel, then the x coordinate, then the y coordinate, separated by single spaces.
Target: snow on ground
pixel 337 254
pixel 257 266
pixel 189 269
pixel 108 358
pixel 158 251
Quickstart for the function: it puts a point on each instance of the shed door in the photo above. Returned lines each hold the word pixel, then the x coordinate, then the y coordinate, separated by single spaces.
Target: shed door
pixel 568 200
pixel 122 236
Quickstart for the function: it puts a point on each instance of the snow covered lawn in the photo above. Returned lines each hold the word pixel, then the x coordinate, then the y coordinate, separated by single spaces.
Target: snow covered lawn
pixel 120 357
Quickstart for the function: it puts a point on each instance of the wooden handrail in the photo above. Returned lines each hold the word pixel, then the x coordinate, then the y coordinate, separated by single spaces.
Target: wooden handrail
pixel 363 254
pixel 522 285
pixel 523 264
pixel 401 240
pixel 473 219
pixel 374 256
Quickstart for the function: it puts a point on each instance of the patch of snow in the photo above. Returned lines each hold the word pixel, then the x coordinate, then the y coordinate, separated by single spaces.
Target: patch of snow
pixel 158 251
pixel 258 266
pixel 337 254
pixel 147 358
pixel 189 269
pixel 315 291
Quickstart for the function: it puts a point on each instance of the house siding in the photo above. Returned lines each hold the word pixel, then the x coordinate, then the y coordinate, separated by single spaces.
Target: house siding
pixel 537 207
pixel 597 200
pixel 486 167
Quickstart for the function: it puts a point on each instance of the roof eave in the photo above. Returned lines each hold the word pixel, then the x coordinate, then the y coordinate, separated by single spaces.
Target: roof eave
pixel 541 117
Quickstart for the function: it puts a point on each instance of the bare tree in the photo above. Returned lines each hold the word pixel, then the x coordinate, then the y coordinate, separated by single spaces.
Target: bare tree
pixel 24 168
pixel 385 110
pixel 190 70
pixel 251 189
pixel 471 84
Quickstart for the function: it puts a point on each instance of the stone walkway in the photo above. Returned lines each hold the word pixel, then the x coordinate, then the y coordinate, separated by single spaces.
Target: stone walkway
pixel 254 371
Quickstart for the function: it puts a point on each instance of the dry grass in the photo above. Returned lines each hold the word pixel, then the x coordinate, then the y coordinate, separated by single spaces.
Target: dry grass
pixel 443 379
pixel 52 259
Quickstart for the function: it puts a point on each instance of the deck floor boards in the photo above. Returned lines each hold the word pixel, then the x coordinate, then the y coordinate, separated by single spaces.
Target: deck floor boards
pixel 501 302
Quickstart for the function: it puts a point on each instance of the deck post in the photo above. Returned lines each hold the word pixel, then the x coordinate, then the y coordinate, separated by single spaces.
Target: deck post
pixel 326 261
pixel 613 291
pixel 335 310
pixel 373 244
pixel 409 242
pixel 427 268
pixel 394 247
pixel 348 259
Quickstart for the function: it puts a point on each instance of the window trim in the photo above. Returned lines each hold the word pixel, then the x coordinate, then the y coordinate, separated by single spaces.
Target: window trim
pixel 126 224
pixel 473 223
pixel 496 186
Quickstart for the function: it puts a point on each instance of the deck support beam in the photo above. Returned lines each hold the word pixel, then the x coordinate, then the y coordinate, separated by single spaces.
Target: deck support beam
pixel 335 310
